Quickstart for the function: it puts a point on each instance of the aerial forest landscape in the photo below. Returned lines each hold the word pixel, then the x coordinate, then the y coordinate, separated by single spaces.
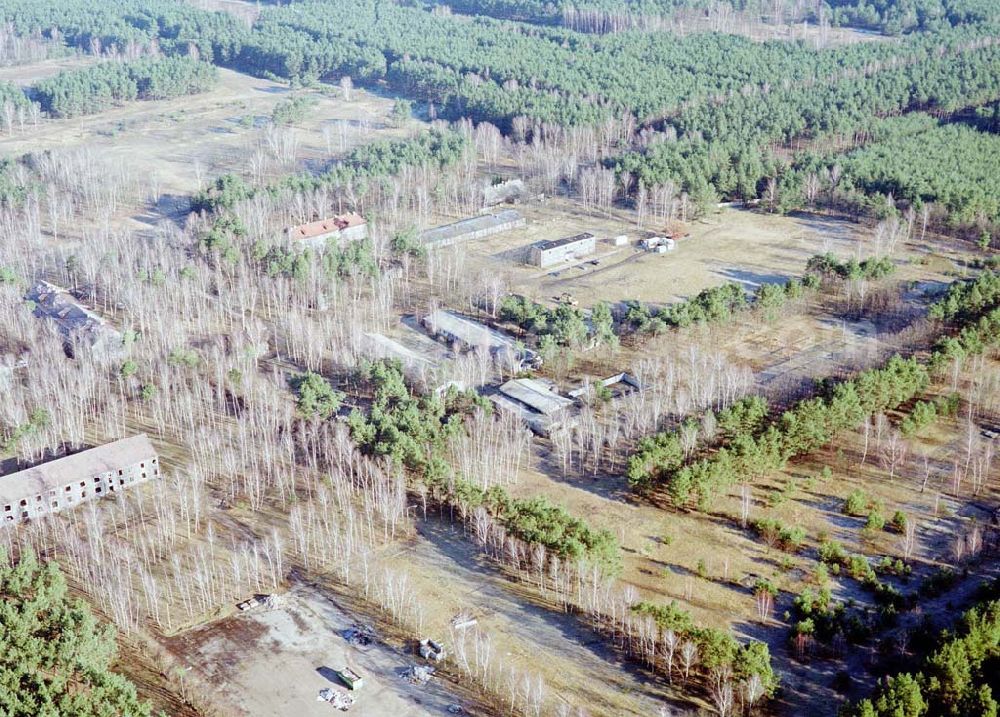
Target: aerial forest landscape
pixel 513 358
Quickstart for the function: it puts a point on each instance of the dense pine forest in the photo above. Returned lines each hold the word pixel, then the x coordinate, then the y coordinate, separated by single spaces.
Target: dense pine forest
pixel 724 103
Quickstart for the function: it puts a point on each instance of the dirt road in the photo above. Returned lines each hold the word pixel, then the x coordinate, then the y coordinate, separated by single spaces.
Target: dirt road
pixel 573 660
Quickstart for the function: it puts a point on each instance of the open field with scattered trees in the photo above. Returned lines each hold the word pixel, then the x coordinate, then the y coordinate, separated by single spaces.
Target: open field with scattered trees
pixel 737 458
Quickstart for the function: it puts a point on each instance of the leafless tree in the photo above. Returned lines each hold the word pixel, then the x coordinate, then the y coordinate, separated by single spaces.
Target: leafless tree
pixel 689 656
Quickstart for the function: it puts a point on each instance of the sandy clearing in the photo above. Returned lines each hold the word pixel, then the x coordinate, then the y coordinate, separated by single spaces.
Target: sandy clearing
pixel 273 663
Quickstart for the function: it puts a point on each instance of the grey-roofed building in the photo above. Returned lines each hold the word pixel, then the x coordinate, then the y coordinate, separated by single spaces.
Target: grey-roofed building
pixel 535 402
pixel 473 228
pixel 66 482
pixel 471 335
pixel 549 253
pixel 407 345
pixel 75 321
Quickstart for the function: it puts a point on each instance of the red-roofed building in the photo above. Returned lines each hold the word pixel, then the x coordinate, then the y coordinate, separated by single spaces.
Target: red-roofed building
pixel 346 227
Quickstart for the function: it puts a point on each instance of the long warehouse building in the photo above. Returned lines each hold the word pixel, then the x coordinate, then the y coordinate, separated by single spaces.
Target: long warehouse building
pixel 473 228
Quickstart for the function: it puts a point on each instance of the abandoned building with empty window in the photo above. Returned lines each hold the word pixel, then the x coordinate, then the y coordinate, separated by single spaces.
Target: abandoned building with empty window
pixel 66 482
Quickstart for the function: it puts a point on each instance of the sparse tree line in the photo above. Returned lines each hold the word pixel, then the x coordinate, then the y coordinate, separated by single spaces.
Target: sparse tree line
pixel 892 17
pixel 737 677
pixel 811 423
pixel 16 111
pixel 721 304
pixel 16 49
pixel 370 163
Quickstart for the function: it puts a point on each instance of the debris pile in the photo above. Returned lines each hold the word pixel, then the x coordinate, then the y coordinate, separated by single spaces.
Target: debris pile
pixel 337 698
pixel 250 603
pixel 274 602
pixel 418 675
pixel 268 602
pixel 359 635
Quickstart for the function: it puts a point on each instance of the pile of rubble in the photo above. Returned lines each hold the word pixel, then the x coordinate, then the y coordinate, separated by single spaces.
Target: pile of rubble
pixel 418 675
pixel 360 635
pixel 267 602
pixel 274 602
pixel 337 698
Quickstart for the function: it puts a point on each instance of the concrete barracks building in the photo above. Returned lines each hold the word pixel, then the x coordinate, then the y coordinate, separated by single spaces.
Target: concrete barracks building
pixel 66 482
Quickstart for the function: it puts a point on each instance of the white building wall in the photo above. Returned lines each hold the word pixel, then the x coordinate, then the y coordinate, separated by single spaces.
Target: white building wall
pixel 80 491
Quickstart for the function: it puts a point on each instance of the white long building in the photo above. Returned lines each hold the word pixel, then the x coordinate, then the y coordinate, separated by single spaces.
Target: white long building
pixel 63 483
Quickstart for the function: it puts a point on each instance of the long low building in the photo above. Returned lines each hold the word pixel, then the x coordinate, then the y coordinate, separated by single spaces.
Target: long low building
pixel 472 228
pixel 534 401
pixel 471 335
pixel 63 483
pixel 549 253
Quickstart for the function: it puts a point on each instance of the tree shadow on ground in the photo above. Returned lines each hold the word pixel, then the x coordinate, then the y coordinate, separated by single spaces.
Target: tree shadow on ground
pixel 607 485
pixel 551 628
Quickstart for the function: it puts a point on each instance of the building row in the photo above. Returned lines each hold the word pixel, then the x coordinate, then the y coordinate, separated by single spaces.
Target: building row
pixel 473 228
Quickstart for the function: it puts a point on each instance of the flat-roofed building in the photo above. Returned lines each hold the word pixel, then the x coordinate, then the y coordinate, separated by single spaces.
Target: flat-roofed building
pixel 63 483
pixel 472 228
pixel 549 253
pixel 342 227
pixel 471 335
pixel 537 404
pixel 407 345
pixel 76 323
